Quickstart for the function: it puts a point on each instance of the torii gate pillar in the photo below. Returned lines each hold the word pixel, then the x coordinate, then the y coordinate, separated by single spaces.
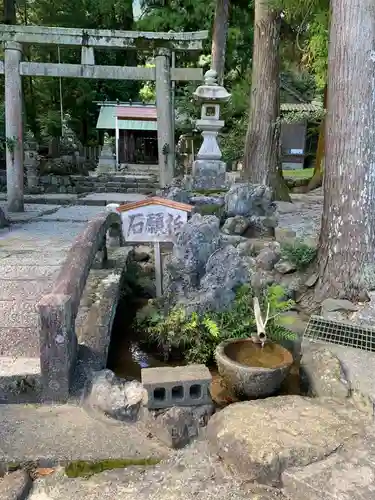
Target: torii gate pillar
pixel 164 116
pixel 13 126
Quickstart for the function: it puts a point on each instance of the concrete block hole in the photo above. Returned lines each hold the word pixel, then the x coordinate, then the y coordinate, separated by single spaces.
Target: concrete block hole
pixel 177 392
pixel 159 394
pixel 195 391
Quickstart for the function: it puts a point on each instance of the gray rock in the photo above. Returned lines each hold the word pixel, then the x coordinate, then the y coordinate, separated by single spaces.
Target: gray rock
pixel 311 280
pixel 285 267
pixel 252 246
pixel 332 305
pixel 235 225
pixel 139 255
pixel 323 374
pixel 267 259
pixel 261 226
pixel 197 240
pixel 347 475
pixel 191 473
pixel 225 271
pixel 260 439
pixel 249 200
pixel 176 194
pixel 232 239
pixel 283 235
pixel 177 426
pixel 337 309
pixel 291 284
pixel 261 279
pixel 115 397
pixel 15 486
pixel 200 199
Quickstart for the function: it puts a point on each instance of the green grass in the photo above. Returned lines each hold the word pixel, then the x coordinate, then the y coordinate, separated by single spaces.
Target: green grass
pixel 303 173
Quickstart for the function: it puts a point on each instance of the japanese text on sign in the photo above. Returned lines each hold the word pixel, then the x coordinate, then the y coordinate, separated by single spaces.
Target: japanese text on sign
pixel 152 223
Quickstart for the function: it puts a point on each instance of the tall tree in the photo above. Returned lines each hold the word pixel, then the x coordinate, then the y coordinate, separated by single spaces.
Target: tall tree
pixel 347 240
pixel 219 38
pixel 9 11
pixel 261 160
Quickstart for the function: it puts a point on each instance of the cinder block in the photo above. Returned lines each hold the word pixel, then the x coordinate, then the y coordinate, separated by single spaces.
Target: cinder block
pixel 177 386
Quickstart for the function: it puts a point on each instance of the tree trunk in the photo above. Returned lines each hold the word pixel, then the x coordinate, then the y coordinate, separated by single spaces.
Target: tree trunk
pixel 347 238
pixel 219 38
pixel 317 178
pixel 9 12
pixel 261 158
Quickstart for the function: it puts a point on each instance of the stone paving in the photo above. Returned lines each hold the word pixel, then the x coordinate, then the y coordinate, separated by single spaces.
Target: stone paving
pixel 30 258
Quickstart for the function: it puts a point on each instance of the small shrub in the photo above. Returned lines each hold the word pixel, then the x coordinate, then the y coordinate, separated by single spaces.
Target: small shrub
pixel 197 336
pixel 299 253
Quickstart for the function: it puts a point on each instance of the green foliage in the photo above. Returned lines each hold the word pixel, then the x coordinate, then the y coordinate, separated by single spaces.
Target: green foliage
pixel 299 253
pixel 197 336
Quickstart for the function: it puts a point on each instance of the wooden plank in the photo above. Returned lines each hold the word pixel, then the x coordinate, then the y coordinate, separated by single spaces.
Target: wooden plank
pixel 140 40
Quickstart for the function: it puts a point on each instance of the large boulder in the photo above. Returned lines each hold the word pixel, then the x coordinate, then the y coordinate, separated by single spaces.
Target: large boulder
pixel 197 240
pixel 249 200
pixel 261 439
pixel 225 271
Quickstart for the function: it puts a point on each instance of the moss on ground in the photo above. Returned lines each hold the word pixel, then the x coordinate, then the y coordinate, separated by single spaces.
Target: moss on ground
pixel 82 468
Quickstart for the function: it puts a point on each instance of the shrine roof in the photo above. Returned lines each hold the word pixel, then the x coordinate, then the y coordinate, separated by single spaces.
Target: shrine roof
pixel 156 201
pixel 133 112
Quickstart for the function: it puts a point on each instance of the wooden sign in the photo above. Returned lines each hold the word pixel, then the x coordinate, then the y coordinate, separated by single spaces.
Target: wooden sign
pixel 153 220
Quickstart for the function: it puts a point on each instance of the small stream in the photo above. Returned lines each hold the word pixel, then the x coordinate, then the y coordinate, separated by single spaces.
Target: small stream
pixel 128 354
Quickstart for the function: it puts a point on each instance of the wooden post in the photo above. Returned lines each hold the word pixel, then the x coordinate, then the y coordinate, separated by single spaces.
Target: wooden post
pixel 14 126
pixel 158 270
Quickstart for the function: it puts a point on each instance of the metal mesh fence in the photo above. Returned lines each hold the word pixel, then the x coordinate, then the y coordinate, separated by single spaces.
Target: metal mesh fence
pixel 337 332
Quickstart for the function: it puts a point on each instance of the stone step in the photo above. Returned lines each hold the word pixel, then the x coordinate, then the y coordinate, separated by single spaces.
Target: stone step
pixel 55 434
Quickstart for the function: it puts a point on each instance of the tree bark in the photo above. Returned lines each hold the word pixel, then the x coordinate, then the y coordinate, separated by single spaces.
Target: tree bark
pixel 261 158
pixel 347 238
pixel 9 12
pixel 317 178
pixel 219 38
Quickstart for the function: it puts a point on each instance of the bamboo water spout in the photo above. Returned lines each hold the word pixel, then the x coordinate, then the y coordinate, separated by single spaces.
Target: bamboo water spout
pixel 260 337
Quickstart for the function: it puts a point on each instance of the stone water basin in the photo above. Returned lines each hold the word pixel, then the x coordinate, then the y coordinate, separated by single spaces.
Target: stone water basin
pixel 250 370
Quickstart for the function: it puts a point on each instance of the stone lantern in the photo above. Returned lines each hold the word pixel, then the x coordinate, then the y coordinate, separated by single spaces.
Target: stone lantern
pixel 208 169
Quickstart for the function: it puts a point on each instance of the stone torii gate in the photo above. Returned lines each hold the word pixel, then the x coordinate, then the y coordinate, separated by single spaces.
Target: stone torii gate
pixel 13 67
